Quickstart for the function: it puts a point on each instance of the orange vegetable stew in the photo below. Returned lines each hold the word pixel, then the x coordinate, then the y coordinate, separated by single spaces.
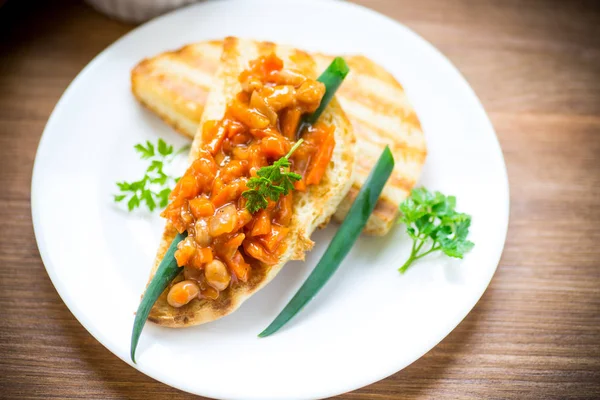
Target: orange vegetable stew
pixel 225 241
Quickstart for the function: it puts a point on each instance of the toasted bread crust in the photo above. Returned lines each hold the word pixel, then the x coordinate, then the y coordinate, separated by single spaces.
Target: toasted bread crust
pixel 173 85
pixel 311 208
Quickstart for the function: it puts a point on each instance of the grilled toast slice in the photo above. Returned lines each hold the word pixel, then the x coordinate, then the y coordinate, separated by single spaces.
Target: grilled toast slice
pixel 174 85
pixel 311 208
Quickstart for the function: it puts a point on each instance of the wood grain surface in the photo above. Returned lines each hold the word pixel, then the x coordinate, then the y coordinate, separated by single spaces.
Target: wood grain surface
pixel 535 333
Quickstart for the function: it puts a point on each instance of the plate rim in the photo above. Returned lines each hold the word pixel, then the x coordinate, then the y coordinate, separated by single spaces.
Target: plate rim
pixel 59 108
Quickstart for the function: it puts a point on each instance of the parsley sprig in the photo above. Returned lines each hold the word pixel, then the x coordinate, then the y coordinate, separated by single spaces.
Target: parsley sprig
pixel 156 185
pixel 433 224
pixel 271 182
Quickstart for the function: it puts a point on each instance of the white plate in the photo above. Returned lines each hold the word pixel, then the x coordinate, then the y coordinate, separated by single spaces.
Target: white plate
pixel 369 321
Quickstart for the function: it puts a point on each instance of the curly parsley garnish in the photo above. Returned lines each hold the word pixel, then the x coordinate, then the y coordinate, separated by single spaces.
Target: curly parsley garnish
pixel 156 185
pixel 271 182
pixel 433 224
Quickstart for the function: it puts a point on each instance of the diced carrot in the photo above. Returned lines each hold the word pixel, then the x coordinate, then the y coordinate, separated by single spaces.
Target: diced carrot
pixel 208 130
pixel 233 169
pixel 262 223
pixel 301 159
pixel 248 116
pixel 217 186
pixel 214 145
pixel 173 208
pixel 274 146
pixel 283 213
pixel 174 215
pixel 290 121
pixel 227 250
pixel 321 160
pixel 264 65
pixel 220 156
pixel 273 239
pixel 204 255
pixel 175 192
pixel 272 63
pixel 213 134
pixel 271 204
pixel 229 192
pixel 226 148
pixel 201 207
pixel 300 185
pixel 244 76
pixel 244 217
pixel 184 253
pixel 236 241
pixel 182 257
pixel 203 168
pixel 241 138
pixel 258 252
pixel 263 133
pixel 188 187
pixel 241 152
pixel 239 266
pixel 243 98
pixel 234 128
pixel 257 159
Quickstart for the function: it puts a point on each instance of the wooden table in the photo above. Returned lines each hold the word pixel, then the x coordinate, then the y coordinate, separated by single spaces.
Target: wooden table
pixel 535 333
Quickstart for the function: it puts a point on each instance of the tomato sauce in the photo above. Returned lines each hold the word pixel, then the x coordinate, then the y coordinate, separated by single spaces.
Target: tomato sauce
pixel 259 127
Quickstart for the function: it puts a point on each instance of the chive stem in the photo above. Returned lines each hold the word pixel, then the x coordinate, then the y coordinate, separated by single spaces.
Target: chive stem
pixel 332 78
pixel 166 272
pixel 341 243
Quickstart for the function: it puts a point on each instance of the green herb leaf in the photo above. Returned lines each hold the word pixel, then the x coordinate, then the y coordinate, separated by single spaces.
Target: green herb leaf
pixel 146 151
pixel 133 202
pixel 138 185
pixel 149 199
pixel 255 200
pixel 145 191
pixel 271 182
pixel 123 186
pixel 163 148
pixel 156 165
pixel 163 196
pixel 433 224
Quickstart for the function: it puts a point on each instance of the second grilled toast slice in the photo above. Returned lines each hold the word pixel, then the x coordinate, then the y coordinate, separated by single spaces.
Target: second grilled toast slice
pixel 174 85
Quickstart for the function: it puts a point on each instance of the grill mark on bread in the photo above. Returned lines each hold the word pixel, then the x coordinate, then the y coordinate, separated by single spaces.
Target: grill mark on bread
pixel 363 128
pixel 363 167
pixel 266 48
pixel 379 105
pixel 185 89
pixel 364 66
pixel 230 48
pixel 306 64
pixel 199 60
pixel 405 139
